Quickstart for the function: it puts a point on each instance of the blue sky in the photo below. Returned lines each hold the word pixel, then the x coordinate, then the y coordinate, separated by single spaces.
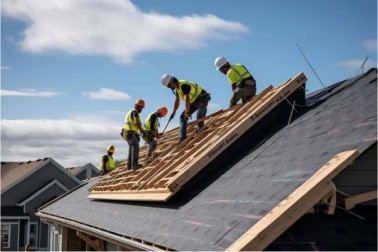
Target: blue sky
pixel 70 70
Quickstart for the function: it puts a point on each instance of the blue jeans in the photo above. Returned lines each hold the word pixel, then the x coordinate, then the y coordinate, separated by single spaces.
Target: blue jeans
pixel 133 141
pixel 201 105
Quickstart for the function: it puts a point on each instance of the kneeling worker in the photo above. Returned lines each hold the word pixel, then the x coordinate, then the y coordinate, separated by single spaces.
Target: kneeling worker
pixel 243 84
pixel 151 126
pixel 107 162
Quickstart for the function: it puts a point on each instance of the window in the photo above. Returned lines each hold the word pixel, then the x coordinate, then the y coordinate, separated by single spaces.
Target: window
pixel 33 235
pixel 5 235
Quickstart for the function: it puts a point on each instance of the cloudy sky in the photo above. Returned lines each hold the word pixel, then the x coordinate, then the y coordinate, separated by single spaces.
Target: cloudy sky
pixel 70 70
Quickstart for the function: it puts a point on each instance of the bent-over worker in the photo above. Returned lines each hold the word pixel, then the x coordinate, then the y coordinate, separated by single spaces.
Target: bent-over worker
pixel 194 97
pixel 151 127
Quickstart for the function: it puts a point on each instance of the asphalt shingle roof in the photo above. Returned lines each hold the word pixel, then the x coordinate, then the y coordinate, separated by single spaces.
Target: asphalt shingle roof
pixel 213 213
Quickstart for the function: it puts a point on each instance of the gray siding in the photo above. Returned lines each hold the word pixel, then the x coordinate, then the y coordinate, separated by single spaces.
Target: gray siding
pixel 35 182
pixel 44 197
pixel 361 176
pixel 43 235
pixel 13 238
pixel 82 175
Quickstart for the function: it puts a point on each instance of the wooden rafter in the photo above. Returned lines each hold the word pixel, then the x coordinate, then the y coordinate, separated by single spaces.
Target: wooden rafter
pixel 351 201
pixel 294 206
pixel 176 164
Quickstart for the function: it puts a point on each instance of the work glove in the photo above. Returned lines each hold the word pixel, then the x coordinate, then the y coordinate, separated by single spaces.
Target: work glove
pixel 172 116
pixel 187 116
pixel 143 133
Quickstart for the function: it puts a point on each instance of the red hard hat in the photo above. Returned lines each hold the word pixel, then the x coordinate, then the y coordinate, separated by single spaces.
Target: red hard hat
pixel 163 111
pixel 140 103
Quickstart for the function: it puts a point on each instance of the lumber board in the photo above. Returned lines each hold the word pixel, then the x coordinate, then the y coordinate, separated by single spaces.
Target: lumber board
pixel 176 164
pixel 139 196
pixel 352 201
pixel 272 225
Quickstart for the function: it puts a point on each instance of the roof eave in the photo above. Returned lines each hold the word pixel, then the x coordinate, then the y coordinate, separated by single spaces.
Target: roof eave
pixel 119 240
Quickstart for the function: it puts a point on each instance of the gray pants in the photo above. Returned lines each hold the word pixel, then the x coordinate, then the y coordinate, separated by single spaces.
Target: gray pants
pixel 248 91
pixel 151 142
pixel 200 105
pixel 133 157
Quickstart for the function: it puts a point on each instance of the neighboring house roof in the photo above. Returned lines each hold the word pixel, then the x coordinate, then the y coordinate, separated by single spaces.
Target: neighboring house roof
pixel 14 172
pixel 76 170
pixel 243 187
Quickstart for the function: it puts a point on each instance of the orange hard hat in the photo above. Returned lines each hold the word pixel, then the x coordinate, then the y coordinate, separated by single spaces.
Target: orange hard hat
pixel 163 111
pixel 140 103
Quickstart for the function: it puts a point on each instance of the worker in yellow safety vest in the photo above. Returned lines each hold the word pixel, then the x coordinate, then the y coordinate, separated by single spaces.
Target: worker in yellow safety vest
pixel 107 162
pixel 243 84
pixel 151 127
pixel 130 131
pixel 195 98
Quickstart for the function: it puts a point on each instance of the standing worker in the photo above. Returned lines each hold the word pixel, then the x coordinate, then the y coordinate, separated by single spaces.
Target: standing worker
pixel 107 162
pixel 151 127
pixel 130 134
pixel 195 98
pixel 242 82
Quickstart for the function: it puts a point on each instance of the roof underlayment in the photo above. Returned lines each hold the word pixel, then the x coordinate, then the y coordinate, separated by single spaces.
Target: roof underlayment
pixel 274 170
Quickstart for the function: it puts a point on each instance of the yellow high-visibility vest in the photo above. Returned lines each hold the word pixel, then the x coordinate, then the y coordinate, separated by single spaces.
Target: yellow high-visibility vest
pixel 147 123
pixel 195 90
pixel 130 123
pixel 109 165
pixel 236 73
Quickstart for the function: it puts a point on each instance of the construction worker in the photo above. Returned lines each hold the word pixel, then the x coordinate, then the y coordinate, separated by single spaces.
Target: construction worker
pixel 151 126
pixel 107 162
pixel 130 134
pixel 242 82
pixel 195 98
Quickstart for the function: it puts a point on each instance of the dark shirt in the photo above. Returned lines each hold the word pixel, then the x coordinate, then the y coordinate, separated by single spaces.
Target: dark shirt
pixel 153 119
pixel 185 88
pixel 134 114
pixel 104 161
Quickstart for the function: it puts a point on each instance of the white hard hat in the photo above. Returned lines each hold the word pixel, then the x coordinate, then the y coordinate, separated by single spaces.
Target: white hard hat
pixel 111 148
pixel 166 79
pixel 220 61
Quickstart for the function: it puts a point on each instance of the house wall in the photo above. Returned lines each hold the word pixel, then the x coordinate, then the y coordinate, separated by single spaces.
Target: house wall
pixel 21 233
pixel 44 197
pixel 361 176
pixel 14 234
pixel 43 242
pixel 82 175
pixel 35 182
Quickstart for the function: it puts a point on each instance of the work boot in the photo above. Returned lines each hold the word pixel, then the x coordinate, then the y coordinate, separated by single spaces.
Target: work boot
pixel 199 129
pixel 149 158
pixel 137 166
pixel 181 140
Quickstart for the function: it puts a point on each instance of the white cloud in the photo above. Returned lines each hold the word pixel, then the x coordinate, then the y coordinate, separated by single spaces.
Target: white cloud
pixel 71 142
pixel 3 68
pixel 107 94
pixel 28 92
pixel 115 28
pixel 356 64
pixel 370 45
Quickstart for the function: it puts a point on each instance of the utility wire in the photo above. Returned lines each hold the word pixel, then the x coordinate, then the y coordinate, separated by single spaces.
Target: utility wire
pixel 362 65
pixel 310 65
